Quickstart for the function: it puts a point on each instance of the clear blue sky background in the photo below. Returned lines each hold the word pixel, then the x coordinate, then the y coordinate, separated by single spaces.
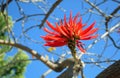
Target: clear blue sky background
pixel 36 68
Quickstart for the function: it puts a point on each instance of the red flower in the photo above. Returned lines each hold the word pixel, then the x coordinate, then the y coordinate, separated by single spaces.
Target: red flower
pixel 69 33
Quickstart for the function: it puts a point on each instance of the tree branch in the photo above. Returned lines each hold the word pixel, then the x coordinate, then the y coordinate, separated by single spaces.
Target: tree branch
pixel 104 35
pixel 50 11
pixel 34 53
pixel 108 18
pixel 111 72
pixel 58 67
pixel 114 43
pixel 21 18
pixel 94 6
pixel 5 5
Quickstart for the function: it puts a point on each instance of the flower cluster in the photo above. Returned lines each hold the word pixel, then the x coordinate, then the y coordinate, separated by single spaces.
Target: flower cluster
pixel 69 33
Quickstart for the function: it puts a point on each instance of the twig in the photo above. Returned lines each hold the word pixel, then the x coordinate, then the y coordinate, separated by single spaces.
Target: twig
pixel 50 11
pixel 100 61
pixel 46 73
pixel 21 18
pixel 104 35
pixel 113 42
pixel 5 5
pixel 91 9
pixel 105 46
pixel 94 6
pixel 116 1
pixel 108 18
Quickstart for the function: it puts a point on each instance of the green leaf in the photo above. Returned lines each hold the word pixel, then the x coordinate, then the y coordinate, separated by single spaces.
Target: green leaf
pixel 13 67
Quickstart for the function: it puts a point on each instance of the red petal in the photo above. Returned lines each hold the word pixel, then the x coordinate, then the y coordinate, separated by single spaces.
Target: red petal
pixel 61 31
pixel 55 43
pixel 70 31
pixel 61 23
pixel 66 31
pixel 82 50
pixel 48 31
pixel 87 29
pixel 76 18
pixel 89 37
pixel 51 26
pixel 91 32
pixel 78 28
pixel 70 19
pixel 52 38
pixel 65 23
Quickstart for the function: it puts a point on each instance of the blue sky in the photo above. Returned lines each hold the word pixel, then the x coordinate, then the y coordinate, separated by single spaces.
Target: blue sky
pixel 36 68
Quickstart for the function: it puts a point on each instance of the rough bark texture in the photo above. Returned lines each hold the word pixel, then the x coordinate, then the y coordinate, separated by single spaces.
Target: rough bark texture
pixel 112 71
pixel 58 67
pixel 68 73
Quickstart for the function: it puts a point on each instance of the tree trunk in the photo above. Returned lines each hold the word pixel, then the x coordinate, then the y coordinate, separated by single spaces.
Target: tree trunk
pixel 113 71
pixel 68 73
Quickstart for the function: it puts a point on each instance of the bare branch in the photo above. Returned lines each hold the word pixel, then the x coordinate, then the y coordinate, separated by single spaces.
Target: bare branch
pixel 54 66
pixel 116 1
pixel 34 53
pixel 91 9
pixel 27 17
pixel 105 61
pixel 50 11
pixel 94 6
pixel 5 5
pixel 105 34
pixel 108 18
pixel 113 42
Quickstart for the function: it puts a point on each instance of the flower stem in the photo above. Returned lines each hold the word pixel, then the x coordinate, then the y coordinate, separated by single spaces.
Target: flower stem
pixel 71 45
